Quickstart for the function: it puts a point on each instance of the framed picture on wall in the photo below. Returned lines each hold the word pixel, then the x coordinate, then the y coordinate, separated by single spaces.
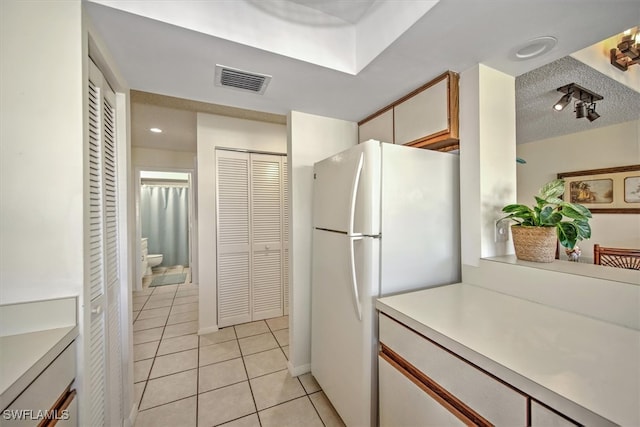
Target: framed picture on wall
pixel 632 189
pixel 608 190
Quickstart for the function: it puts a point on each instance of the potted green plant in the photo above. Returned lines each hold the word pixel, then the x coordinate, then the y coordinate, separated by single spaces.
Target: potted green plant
pixel 551 218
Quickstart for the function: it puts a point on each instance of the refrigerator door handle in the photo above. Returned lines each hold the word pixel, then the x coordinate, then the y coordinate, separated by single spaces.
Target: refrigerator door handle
pixel 354 195
pixel 354 278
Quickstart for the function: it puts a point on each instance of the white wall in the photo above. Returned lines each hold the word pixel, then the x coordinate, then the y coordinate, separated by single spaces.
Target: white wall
pixel 487 159
pixel 613 297
pixel 175 176
pixel 41 140
pixel 488 181
pixel 45 47
pixel 164 159
pixel 610 146
pixel 222 132
pixel 310 139
pixel 597 57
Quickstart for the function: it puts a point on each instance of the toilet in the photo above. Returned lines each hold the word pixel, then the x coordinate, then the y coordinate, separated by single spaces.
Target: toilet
pixel 153 260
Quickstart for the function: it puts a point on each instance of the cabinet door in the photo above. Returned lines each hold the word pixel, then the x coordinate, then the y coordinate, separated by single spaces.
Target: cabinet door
pixel 543 417
pixel 379 128
pixel 424 115
pixel 403 403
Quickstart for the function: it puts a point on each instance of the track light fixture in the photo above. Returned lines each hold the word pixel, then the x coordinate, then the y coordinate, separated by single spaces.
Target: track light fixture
pixel 628 51
pixel 563 102
pixel 585 105
pixel 591 113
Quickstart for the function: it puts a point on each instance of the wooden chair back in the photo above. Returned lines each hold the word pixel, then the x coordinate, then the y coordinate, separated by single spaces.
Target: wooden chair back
pixel 617 257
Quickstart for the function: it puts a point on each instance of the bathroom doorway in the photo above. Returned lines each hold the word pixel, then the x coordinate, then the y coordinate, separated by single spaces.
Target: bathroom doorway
pixel 164 214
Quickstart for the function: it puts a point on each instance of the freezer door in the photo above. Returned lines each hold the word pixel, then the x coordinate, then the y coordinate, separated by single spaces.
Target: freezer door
pixel 344 344
pixel 346 191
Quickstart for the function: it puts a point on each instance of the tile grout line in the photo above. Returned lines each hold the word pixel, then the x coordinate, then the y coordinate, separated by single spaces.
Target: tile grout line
pixel 146 381
pixel 316 409
pixel 154 358
pixel 306 394
pixel 255 405
pixel 242 355
pixel 170 402
pixel 156 355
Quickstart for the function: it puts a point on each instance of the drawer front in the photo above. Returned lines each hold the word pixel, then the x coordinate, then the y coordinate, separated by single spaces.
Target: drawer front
pixel 493 400
pixel 543 417
pixel 403 403
pixel 68 413
pixel 43 393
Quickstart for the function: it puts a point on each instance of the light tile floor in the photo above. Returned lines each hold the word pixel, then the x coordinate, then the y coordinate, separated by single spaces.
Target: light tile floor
pixel 234 377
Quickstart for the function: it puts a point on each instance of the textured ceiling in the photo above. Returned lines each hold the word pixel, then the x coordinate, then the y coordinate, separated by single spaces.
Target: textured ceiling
pixel 536 94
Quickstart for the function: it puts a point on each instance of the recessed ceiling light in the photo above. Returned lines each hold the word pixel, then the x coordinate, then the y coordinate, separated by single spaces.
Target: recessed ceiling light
pixel 156 130
pixel 535 47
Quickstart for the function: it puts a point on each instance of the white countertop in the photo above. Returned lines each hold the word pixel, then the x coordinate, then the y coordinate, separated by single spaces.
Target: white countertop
pixel 24 356
pixel 563 359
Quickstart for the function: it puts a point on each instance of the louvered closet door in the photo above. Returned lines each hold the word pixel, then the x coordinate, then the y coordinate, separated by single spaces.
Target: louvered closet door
pixel 114 336
pixel 103 351
pixel 233 237
pixel 266 226
pixel 95 354
pixel 285 236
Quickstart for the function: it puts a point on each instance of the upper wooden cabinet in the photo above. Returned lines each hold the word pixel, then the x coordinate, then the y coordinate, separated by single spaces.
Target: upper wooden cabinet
pixel 379 127
pixel 426 117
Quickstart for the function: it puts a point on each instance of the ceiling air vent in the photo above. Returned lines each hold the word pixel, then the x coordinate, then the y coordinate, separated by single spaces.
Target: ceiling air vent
pixel 242 80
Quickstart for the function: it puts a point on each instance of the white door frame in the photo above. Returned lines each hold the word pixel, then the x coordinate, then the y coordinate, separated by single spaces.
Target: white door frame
pixel 193 247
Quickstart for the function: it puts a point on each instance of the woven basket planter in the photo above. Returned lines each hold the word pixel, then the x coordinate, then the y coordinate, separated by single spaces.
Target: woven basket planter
pixel 536 244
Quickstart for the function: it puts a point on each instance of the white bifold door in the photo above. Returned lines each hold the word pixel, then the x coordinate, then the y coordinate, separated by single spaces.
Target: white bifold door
pixel 252 236
pixel 103 356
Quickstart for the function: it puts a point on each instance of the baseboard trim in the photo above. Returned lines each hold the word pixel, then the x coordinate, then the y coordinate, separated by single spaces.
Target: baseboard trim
pixel 131 421
pixel 298 370
pixel 210 329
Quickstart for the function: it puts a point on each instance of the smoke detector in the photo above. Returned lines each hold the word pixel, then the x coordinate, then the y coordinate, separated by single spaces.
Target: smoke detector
pixel 241 80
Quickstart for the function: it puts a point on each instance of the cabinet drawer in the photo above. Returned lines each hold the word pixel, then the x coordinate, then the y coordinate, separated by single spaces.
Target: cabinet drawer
pixel 493 400
pixel 68 413
pixel 404 403
pixel 543 417
pixel 43 393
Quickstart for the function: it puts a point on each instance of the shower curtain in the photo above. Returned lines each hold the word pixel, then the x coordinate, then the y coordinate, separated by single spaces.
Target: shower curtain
pixel 164 214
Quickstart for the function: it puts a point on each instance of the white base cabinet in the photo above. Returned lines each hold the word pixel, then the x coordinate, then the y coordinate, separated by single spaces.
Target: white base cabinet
pixel 423 384
pixel 50 399
pixel 464 389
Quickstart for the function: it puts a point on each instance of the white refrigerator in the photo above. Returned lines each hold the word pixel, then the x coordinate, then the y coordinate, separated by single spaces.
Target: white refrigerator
pixel 386 220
